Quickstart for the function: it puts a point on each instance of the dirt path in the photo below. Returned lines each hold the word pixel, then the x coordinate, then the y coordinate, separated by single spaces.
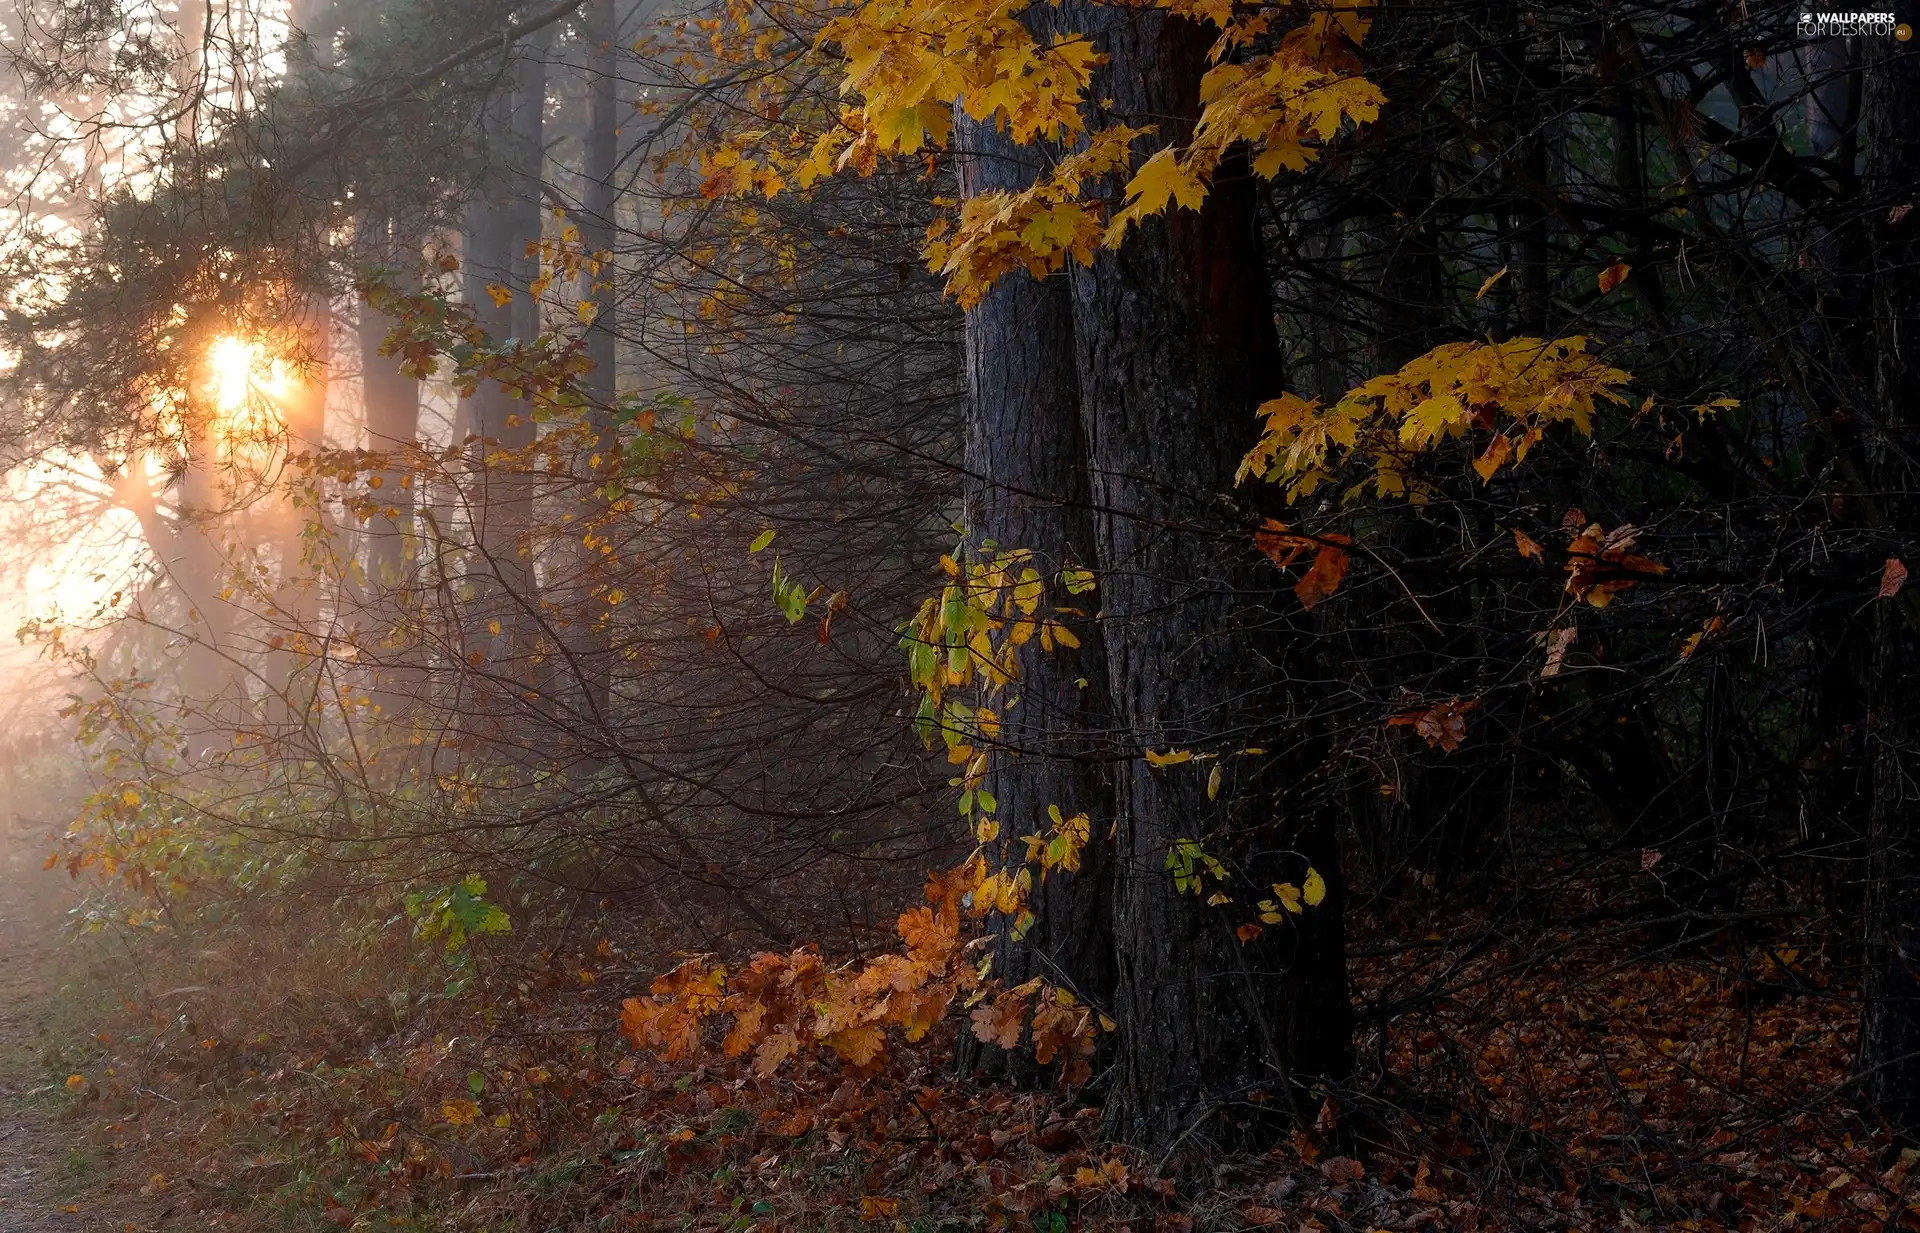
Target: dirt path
pixel 40 1173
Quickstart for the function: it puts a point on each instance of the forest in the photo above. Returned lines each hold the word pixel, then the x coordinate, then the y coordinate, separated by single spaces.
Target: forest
pixel 798 616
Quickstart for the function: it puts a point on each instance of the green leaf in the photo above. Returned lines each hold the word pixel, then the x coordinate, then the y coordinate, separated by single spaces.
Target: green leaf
pixel 761 540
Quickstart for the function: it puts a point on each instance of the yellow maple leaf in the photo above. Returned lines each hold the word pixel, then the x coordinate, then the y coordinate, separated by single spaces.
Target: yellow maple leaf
pixel 1162 180
pixel 1498 451
pixel 501 296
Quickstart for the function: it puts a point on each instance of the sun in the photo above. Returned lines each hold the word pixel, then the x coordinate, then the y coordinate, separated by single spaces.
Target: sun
pixel 247 388
pixel 233 367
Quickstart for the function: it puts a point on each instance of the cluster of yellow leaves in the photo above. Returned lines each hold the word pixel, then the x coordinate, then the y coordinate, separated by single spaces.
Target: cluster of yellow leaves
pixel 796 1005
pixel 732 169
pixel 1283 106
pixel 564 257
pixel 908 60
pixel 1294 900
pixel 968 635
pixel 904 64
pixel 1005 889
pixel 1515 389
pixel 1037 230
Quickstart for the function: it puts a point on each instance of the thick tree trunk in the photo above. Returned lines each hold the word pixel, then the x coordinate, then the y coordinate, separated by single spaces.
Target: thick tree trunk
pixel 1028 488
pixel 1176 346
pixel 1890 1027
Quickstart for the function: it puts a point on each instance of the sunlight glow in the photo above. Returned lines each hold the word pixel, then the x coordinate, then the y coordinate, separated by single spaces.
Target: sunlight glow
pixel 248 390
pixel 233 365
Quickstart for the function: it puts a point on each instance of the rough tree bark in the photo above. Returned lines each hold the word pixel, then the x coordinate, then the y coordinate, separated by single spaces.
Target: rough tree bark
pixel 1176 347
pixel 1028 488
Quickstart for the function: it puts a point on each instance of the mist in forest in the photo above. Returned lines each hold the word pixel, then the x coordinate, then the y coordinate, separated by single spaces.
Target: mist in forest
pixel 1321 586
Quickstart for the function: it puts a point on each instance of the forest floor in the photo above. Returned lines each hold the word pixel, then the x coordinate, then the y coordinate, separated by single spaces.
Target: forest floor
pixel 298 1069
pixel 51 1179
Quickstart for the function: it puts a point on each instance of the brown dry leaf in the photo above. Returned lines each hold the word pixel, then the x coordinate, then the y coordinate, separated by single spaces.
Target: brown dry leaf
pixel 1279 546
pixel 1558 642
pixel 1528 546
pixel 1444 726
pixel 1893 576
pixel 1613 276
pixel 1283 548
pixel 1329 567
pixel 1342 1169
pixel 1257 1216
pixel 1600 567
pixel 878 1207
